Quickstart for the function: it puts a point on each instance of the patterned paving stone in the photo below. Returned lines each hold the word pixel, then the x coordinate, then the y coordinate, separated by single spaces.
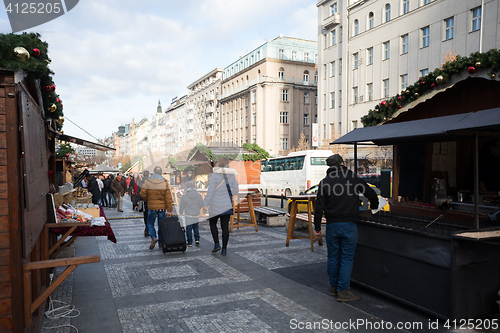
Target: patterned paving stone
pixel 286 256
pixel 254 311
pixel 131 248
pixel 135 278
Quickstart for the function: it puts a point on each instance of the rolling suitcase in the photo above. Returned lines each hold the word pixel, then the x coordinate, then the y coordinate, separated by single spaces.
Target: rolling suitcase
pixel 172 235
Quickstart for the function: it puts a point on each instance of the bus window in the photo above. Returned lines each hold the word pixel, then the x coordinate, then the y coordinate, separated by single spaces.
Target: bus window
pixel 318 160
pixel 263 166
pixel 280 164
pixel 300 162
pixel 291 163
pixel 271 165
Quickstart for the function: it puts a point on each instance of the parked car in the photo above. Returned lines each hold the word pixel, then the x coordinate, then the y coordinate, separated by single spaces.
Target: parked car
pixel 302 205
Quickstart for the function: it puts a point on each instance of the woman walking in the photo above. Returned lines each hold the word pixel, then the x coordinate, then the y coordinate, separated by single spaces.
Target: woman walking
pixel 221 188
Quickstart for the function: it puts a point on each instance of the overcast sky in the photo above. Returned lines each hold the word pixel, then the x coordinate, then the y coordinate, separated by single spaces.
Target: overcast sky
pixel 114 59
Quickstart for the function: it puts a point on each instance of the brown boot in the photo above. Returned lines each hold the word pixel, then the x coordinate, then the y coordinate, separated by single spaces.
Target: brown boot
pixel 333 291
pixel 346 296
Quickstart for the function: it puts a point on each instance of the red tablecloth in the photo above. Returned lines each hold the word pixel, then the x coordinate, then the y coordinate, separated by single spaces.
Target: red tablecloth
pixel 90 231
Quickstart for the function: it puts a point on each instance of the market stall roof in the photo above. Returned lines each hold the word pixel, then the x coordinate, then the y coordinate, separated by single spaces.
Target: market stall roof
pixel 72 139
pixel 445 128
pixel 103 169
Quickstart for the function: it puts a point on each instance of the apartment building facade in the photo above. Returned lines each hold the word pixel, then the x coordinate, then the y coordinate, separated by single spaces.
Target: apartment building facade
pixel 203 109
pixel 269 95
pixel 370 50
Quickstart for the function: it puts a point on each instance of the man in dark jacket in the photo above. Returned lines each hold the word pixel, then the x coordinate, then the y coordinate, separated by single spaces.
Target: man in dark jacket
pixel 93 188
pixel 338 200
pixel 104 193
pixel 120 187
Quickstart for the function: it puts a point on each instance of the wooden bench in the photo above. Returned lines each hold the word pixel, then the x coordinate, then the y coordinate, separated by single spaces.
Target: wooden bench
pixel 274 217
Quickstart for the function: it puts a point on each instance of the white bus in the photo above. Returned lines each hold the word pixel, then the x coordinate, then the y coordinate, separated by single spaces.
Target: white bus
pixel 294 173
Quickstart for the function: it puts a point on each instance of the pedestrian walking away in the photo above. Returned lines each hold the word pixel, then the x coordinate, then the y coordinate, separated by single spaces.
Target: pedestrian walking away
pixel 93 187
pixel 221 188
pixel 143 203
pixel 156 192
pixel 190 206
pixel 338 200
pixel 120 187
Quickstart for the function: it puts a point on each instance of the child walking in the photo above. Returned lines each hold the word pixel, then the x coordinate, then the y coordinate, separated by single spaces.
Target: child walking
pixel 190 205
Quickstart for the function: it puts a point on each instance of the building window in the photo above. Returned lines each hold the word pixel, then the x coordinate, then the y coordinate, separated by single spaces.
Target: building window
pixel 332 66
pixel 306 119
pixel 356 60
pixel 354 124
pixel 386 88
pixel 340 28
pixel 334 37
pixel 316 77
pixel 476 19
pixel 449 24
pixel 355 93
pixel 340 98
pixel 284 117
pixel 306 98
pixel 281 54
pixel 425 36
pixel 387 50
pixel 404 81
pixel 370 56
pixel 370 21
pixel 332 100
pixel 424 72
pixel 404 44
pixel 427 2
pixel 284 95
pixel 254 99
pixel 340 66
pixel 294 55
pixel 324 101
pixel 406 6
pixel 306 57
pixel 333 9
pixel 284 143
pixel 281 73
pixel 306 77
pixel 254 118
pixel 387 12
pixel 369 88
pixel 356 27
pixel 325 70
pixel 315 58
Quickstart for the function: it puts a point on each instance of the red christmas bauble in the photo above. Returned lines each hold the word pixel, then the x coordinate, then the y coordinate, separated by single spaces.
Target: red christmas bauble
pixel 36 52
pixel 399 98
pixel 52 88
pixel 47 88
pixel 422 83
pixel 433 85
pixel 383 103
pixel 471 70
pixel 399 106
pixel 390 104
pixel 57 99
pixel 67 155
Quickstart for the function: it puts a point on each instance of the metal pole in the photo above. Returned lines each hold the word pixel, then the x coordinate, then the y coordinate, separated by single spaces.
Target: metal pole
pixel 476 181
pixel 282 198
pixel 265 198
pixel 355 158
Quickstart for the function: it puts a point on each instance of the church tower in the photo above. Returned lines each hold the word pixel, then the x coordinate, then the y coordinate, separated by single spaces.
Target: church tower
pixel 158 109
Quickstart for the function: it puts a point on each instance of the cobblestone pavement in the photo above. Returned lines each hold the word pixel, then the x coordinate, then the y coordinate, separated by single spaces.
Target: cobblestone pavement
pixel 134 289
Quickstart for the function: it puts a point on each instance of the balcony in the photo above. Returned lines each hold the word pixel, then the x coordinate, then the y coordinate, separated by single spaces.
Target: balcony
pixel 331 21
pixel 210 121
pixel 210 110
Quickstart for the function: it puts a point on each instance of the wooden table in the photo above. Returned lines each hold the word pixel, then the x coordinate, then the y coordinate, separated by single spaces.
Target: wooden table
pixel 311 202
pixel 240 223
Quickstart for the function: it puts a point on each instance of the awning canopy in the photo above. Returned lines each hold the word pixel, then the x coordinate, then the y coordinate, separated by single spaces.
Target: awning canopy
pixel 453 127
pixel 72 139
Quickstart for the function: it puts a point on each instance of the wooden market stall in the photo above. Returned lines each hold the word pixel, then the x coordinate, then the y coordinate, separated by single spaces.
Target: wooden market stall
pixel 417 253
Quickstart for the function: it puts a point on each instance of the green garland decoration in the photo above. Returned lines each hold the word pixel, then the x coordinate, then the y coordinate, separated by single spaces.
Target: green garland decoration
pixel 36 67
pixel 386 109
pixel 63 150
